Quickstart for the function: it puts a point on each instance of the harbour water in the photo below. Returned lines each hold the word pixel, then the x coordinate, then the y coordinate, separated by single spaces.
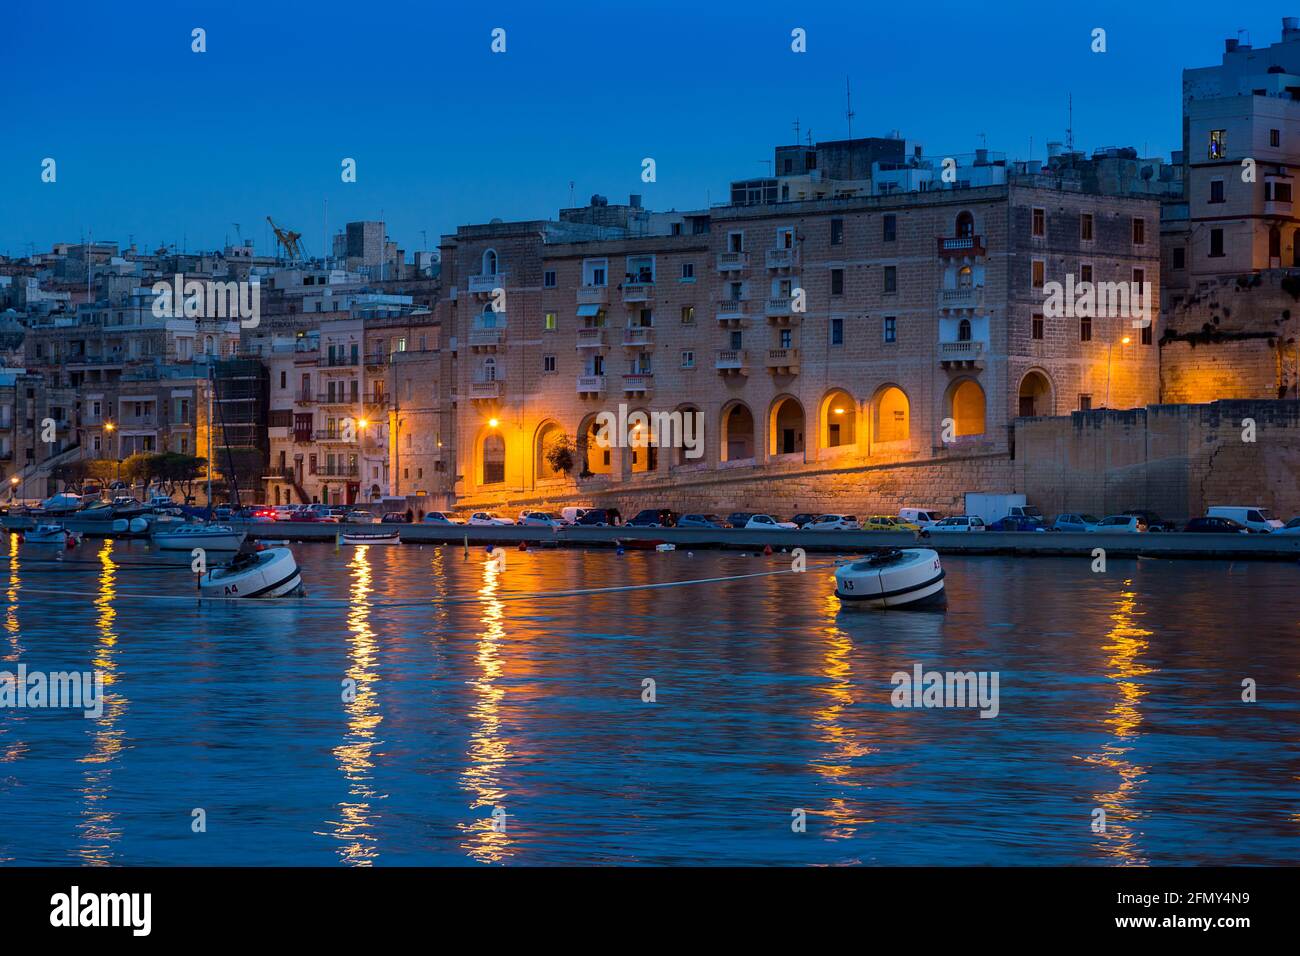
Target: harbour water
pixel 424 707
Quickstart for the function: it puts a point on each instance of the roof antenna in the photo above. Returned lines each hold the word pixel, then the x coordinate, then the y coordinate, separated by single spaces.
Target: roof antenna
pixel 1069 130
pixel 796 131
pixel 848 115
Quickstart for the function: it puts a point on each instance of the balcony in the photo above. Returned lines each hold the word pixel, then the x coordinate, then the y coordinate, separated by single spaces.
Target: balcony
pixel 484 391
pixel 1277 207
pixel 783 258
pixel 783 361
pixel 969 297
pixel 732 261
pixel 335 434
pixel 638 383
pixel 731 313
pixel 376 360
pixel 634 292
pixel 336 398
pixel 732 361
pixel 305 398
pixel 376 399
pixel 339 361
pixel 593 295
pixel 638 337
pixel 961 354
pixel 591 384
pixel 487 283
pixel 338 471
pixel 486 338
pixel 302 435
pixel 779 307
pixel 591 338
pixel 961 247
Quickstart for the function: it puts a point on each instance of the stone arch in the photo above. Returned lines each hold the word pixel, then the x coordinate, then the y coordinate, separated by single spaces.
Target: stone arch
pixel 593 457
pixel 692 430
pixel 737 431
pixel 838 419
pixel 967 407
pixel 965 224
pixel 1035 395
pixel 548 432
pixel 492 458
pixel 891 414
pixel 642 454
pixel 786 424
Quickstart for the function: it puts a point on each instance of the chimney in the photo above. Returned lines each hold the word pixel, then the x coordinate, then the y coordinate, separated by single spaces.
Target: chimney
pixel 634 200
pixel 1290 27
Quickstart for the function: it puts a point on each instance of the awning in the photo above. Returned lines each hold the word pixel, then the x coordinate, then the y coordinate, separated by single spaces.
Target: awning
pixel 588 311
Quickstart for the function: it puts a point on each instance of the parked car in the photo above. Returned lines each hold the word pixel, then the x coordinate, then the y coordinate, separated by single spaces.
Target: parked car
pixel 1018 523
pixel 1291 527
pixel 304 514
pixel 921 517
pixel 700 521
pixel 489 519
pixel 768 523
pixel 738 519
pixel 1255 518
pixel 326 513
pixel 803 518
pixel 442 518
pixel 538 519
pixel 1150 520
pixel 256 513
pixel 833 523
pixel 888 523
pixel 361 516
pixel 600 518
pixel 654 518
pixel 571 515
pixel 1211 524
pixel 956 523
pixel 1121 524
pixel 1074 521
pixel 395 517
pixel 285 512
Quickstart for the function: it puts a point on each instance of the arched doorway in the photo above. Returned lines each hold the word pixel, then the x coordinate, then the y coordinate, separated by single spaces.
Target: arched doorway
pixel 642 452
pixel 594 458
pixel 1035 395
pixel 892 415
pixel 966 408
pixel 494 459
pixel 737 432
pixel 689 441
pixel 787 424
pixel 548 435
pixel 839 419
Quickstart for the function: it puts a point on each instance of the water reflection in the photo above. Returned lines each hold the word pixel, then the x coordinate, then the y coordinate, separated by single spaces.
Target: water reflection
pixel 98 825
pixel 487 839
pixel 1127 643
pixel 355 826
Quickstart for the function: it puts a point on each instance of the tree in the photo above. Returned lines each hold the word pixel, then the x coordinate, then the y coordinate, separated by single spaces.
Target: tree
pixel 560 453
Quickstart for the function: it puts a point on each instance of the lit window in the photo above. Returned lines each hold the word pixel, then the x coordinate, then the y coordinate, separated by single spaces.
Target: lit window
pixel 1218 143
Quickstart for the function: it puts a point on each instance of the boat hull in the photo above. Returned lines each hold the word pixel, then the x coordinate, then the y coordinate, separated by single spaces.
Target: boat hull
pixel 274 573
pixel 369 539
pixel 912 578
pixel 209 540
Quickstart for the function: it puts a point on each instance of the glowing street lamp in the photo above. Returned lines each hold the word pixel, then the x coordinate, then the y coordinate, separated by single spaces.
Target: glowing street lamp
pixel 493 423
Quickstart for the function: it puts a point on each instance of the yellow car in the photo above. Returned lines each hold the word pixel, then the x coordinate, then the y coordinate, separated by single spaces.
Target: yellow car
pixel 888 523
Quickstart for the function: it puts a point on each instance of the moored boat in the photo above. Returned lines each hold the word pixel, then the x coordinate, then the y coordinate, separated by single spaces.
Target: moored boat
pixel 892 578
pixel 269 573
pixel 370 537
pixel 54 534
pixel 215 537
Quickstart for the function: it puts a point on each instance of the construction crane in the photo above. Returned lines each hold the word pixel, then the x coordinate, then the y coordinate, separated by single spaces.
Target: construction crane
pixel 292 241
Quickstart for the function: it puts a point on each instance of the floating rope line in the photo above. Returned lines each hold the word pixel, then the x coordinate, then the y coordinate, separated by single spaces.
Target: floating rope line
pixel 431 602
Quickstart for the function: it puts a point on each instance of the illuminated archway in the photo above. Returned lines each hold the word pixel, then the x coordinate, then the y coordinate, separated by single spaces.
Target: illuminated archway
pixel 548 434
pixel 642 453
pixel 494 459
pixel 785 426
pixel 594 458
pixel 737 433
pixel 966 408
pixel 892 415
pixel 838 419
pixel 1034 395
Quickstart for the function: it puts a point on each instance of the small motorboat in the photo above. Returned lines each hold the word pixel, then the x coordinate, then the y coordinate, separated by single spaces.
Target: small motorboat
pixel 186 537
pixel 370 537
pixel 54 534
pixel 269 573
pixel 892 578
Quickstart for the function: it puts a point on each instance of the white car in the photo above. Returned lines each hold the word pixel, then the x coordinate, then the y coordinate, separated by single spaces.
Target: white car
pixel 833 523
pixel 1291 527
pixel 956 523
pixel 538 519
pixel 489 519
pixel 921 517
pixel 768 523
pixel 441 517
pixel 1119 524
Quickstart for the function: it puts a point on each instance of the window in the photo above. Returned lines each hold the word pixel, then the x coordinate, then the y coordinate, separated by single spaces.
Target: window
pixel 1139 231
pixel 688 315
pixel 284 379
pixel 1139 276
pixel 1036 326
pixel 1038 274
pixel 688 271
pixel 1180 257
pixel 1039 223
pixel 548 363
pixel 891 329
pixel 1218 143
pixel 837 232
pixel 1216 190
pixel 688 359
pixel 1085 227
pixel 1275 138
pixel 890 227
pixel 785 339
pixel 837 331
pixel 963 330
pixel 548 279
pixel 735 242
pixel 550 322
pixel 1085 402
pixel 1145 335
pixel 1216 243
pixel 595 272
pixel 737 340
pixel 837 282
pixel 1275 191
pixel 641 270
pixel 891 278
pixel 1085 272
pixel 1085 328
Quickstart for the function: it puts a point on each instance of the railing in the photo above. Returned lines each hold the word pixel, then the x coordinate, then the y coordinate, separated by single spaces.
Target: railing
pixel 302 435
pixel 593 294
pixel 782 358
pixel 779 305
pixel 782 258
pixel 638 336
pixel 731 359
pixel 638 292
pixel 968 351
pixel 337 398
pixel 479 338
pixel 334 434
pixel 961 245
pixel 729 261
pixel 304 398
pixel 591 383
pixel 376 359
pixel 591 338
pixel 338 471
pixel 481 390
pixel 486 283
pixel 338 361
pixel 965 298
pixel 638 382
pixel 379 399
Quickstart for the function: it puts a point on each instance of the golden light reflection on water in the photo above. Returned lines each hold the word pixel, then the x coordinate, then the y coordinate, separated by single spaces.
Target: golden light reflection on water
pixel 1126 644
pixel 12 631
pixel 842 743
pixel 355 826
pixel 98 822
pixel 486 839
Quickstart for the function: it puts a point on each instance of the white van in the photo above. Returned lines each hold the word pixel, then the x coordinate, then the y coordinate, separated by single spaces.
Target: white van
pixel 571 515
pixel 921 517
pixel 1253 517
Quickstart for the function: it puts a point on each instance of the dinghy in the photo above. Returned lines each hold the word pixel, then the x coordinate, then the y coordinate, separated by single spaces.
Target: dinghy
pixel 370 537
pixel 892 578
pixel 51 534
pixel 269 573
pixel 212 537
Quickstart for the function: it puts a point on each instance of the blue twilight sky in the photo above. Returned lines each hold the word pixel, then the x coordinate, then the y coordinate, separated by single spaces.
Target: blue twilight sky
pixel 165 145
